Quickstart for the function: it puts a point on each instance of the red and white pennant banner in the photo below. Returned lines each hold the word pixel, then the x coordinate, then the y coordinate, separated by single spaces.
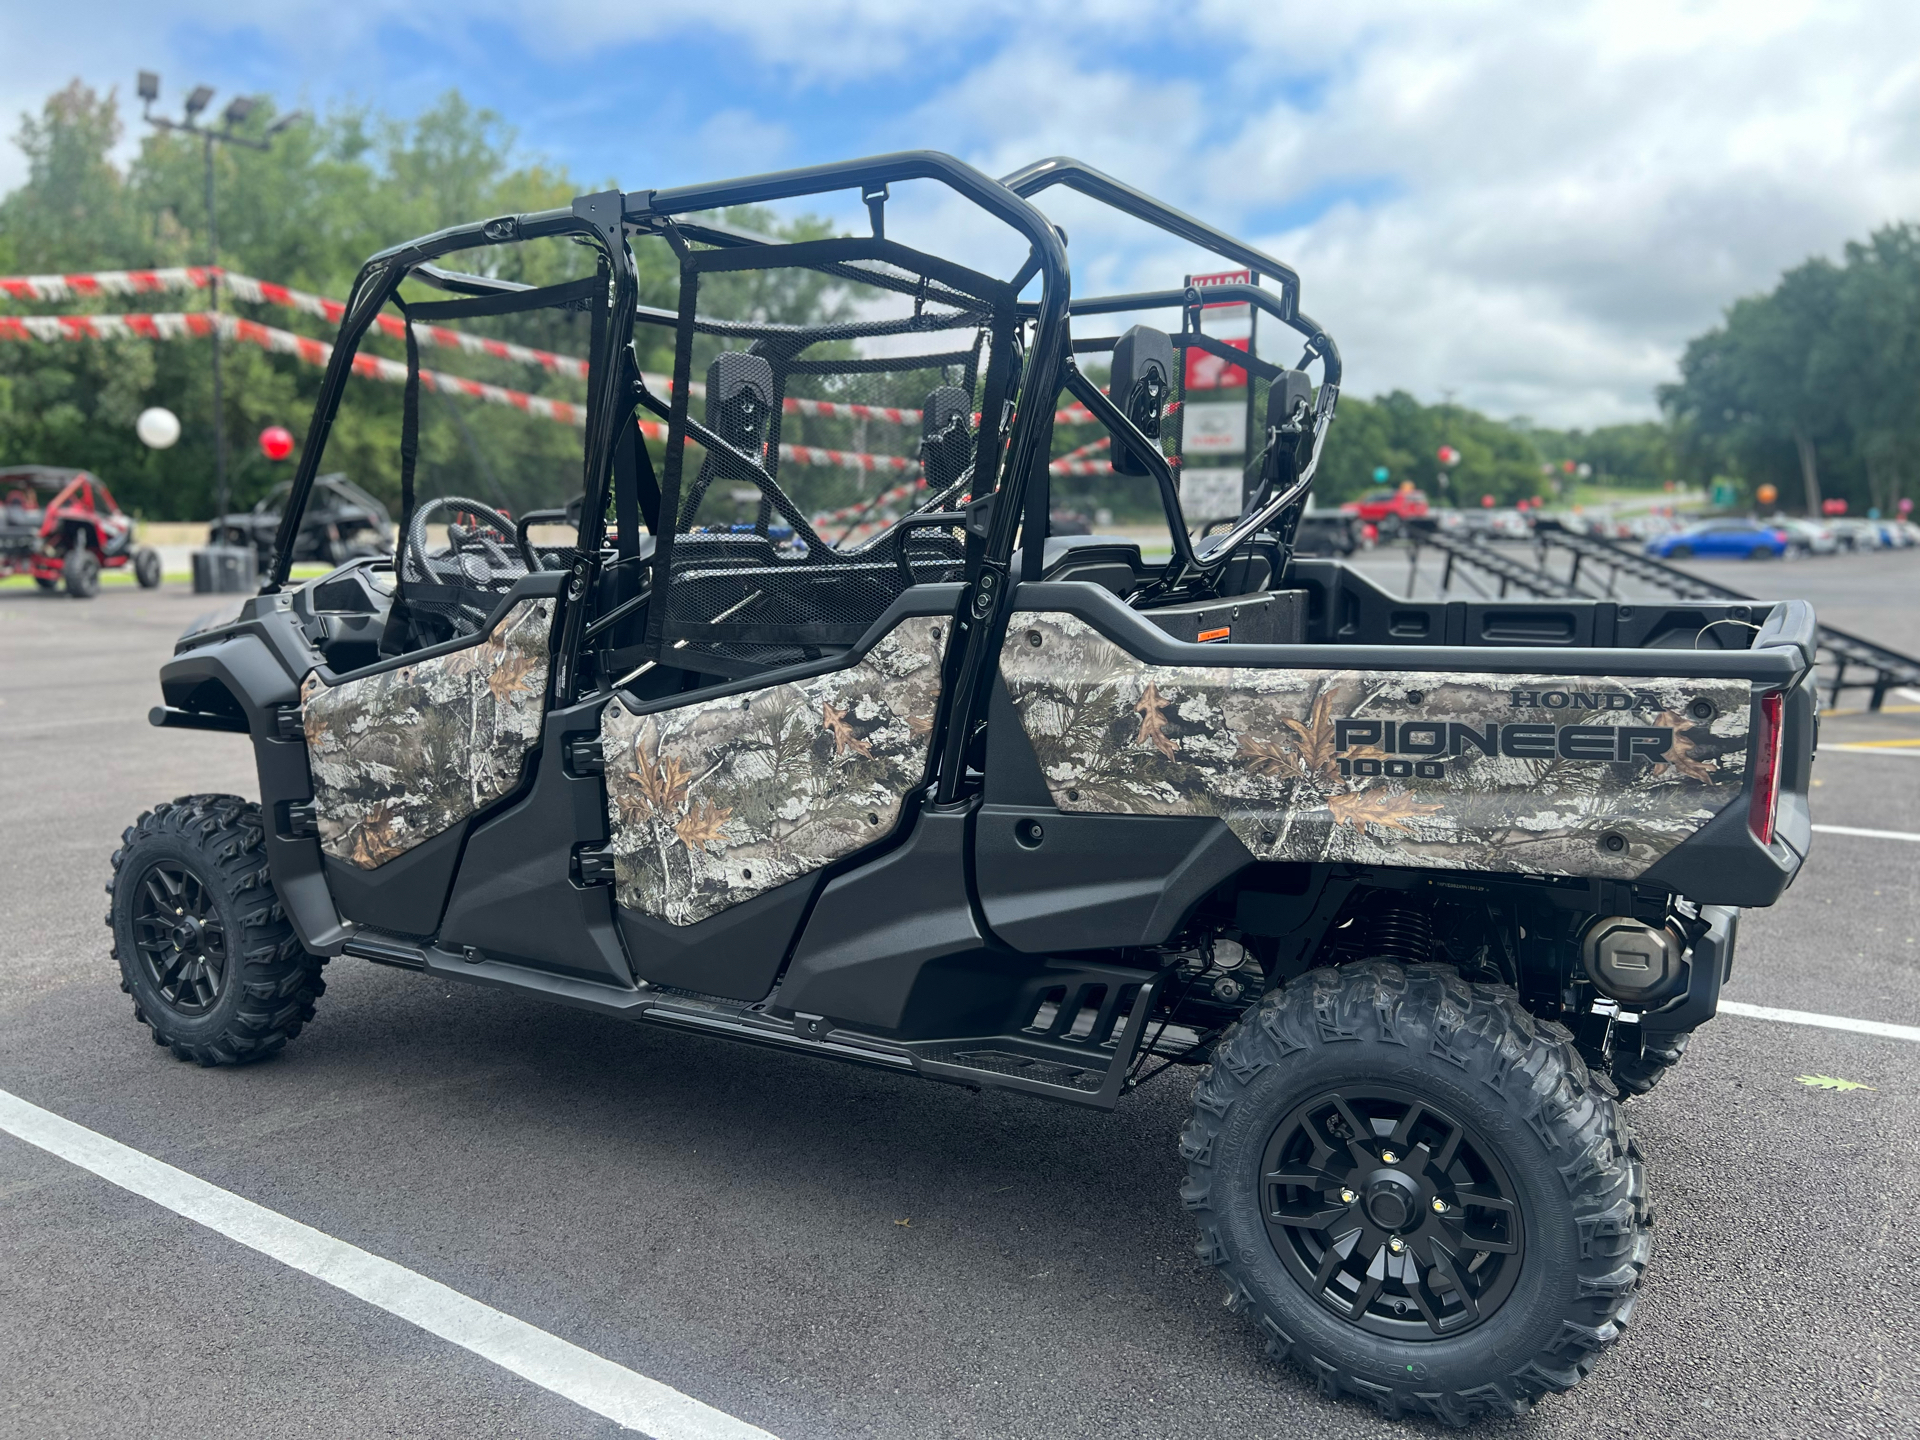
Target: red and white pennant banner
pixel 46 288
pixel 201 323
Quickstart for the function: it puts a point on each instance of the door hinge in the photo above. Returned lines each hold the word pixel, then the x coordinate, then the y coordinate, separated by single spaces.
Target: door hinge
pixel 299 820
pixel 585 757
pixel 289 722
pixel 593 864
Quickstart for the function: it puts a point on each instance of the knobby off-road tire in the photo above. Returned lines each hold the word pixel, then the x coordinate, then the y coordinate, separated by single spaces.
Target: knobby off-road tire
pixel 1636 1072
pixel 1474 1100
pixel 224 979
pixel 80 572
pixel 146 567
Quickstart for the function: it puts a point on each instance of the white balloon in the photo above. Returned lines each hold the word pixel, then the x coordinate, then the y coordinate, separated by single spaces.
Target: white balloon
pixel 157 428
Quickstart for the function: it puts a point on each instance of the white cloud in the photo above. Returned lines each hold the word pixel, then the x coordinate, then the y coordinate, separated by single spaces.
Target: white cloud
pixel 1530 206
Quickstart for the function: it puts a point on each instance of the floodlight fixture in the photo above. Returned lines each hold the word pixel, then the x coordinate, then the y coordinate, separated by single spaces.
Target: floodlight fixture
pixel 286 121
pixel 199 99
pixel 149 86
pixel 238 109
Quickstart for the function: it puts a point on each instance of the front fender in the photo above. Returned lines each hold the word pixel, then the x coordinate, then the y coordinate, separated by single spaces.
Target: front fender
pixel 242 675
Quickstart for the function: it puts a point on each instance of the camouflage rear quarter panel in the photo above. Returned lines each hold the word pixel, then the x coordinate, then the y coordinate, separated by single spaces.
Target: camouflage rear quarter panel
pixel 406 754
pixel 719 801
pixel 1590 776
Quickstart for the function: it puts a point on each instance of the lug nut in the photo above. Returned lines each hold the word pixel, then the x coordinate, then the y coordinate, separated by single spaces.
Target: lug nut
pixel 1347 1197
pixel 1439 1206
pixel 1396 1244
pixel 1389 1157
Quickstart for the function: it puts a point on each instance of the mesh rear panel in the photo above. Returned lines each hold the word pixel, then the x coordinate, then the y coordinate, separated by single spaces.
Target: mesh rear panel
pixel 849 427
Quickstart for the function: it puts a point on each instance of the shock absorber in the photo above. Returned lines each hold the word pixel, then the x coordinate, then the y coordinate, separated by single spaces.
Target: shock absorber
pixel 1397 928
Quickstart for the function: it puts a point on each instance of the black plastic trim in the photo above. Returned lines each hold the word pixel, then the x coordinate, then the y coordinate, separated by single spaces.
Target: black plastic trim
pixel 1133 632
pixel 1052 882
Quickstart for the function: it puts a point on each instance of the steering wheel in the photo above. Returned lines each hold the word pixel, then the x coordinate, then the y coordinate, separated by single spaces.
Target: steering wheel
pixel 476 554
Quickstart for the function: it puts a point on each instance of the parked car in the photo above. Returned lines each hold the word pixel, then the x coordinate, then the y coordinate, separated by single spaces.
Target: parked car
pixel 1855 534
pixel 1387 511
pixel 69 539
pixel 1744 539
pixel 342 522
pixel 1808 537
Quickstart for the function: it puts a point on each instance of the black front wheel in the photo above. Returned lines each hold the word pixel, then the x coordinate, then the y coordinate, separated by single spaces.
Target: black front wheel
pixel 146 567
pixel 215 971
pixel 81 573
pixel 1417 1191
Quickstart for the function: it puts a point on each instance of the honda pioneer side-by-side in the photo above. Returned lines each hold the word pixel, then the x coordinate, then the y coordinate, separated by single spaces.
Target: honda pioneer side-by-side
pixel 800 728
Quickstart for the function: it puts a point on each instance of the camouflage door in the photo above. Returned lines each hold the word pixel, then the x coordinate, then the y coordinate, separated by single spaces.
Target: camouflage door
pixel 407 753
pixel 830 505
pixel 410 748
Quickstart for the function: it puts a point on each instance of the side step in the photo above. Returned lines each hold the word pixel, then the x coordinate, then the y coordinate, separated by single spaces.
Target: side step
pixel 1080 1049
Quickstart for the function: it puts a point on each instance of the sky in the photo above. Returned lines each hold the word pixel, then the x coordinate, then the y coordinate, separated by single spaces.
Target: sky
pixel 1520 207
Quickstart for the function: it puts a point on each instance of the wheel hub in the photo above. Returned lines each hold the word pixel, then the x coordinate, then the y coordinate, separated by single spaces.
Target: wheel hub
pixel 1391 1213
pixel 179 936
pixel 1393 1200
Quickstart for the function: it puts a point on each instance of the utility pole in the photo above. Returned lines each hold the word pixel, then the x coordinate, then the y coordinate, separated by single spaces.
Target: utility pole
pixel 236 113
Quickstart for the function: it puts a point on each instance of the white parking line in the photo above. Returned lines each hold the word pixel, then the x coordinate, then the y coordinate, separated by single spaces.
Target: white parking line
pixel 1865 834
pixel 1825 1022
pixel 623 1396
pixel 1896 749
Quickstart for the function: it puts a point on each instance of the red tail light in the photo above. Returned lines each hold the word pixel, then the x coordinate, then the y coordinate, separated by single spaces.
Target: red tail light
pixel 1763 748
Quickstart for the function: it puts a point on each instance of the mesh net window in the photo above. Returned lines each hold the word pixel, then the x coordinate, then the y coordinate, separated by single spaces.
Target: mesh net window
pixel 827 439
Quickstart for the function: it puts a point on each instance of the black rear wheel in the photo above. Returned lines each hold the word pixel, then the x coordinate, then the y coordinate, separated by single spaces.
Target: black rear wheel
pixel 1680 552
pixel 146 567
pixel 215 970
pixel 1417 1191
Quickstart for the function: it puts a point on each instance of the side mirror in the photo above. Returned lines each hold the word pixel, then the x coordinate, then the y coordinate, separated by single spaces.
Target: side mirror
pixel 740 399
pixel 1143 371
pixel 946 436
pixel 1289 401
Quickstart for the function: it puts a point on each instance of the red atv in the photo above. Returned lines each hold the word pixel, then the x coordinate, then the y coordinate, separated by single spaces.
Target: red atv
pixel 71 537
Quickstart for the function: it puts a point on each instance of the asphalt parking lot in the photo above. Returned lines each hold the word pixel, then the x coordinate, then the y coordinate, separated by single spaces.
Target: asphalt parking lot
pixel 830 1252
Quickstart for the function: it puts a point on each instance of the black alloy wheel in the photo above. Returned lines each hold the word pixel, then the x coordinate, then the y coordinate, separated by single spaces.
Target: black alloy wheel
pixel 180 938
pixel 1391 1213
pixel 1416 1190
pixel 215 969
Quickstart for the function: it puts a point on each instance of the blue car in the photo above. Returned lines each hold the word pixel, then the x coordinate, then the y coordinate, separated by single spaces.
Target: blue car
pixel 1734 539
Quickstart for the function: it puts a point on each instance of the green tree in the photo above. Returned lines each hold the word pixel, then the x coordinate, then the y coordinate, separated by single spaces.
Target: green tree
pixel 1817 380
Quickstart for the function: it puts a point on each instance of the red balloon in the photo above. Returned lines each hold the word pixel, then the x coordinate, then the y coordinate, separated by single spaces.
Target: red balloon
pixel 276 442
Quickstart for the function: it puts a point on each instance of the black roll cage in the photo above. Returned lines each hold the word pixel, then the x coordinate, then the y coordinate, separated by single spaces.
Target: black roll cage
pixel 605 221
pixel 1212 553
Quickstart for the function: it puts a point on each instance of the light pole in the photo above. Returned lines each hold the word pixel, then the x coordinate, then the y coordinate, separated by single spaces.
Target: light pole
pixel 236 113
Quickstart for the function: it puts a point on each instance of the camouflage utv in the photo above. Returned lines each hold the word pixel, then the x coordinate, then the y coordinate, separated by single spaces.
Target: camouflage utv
pixel 775 738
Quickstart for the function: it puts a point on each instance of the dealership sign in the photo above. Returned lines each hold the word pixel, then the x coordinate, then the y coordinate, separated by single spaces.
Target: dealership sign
pixel 1217 428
